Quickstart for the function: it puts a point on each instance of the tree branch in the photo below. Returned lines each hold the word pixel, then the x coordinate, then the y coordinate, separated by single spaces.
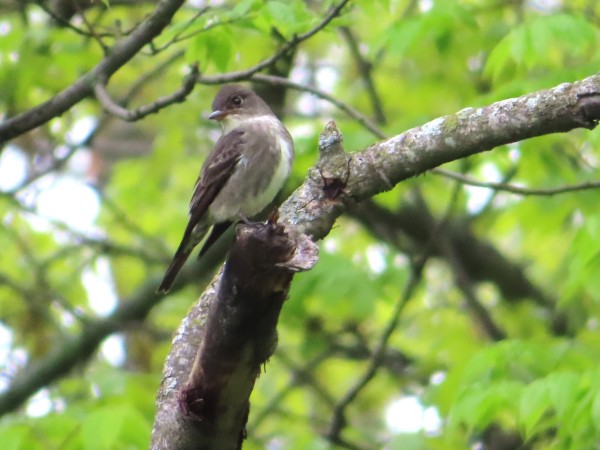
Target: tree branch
pixel 473 130
pixel 519 190
pixel 131 115
pixel 246 74
pixel 311 211
pixel 365 69
pixel 338 421
pixel 123 51
pixel 349 110
pixel 313 208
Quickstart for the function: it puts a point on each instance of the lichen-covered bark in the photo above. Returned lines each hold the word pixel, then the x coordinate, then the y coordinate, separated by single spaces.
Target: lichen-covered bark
pixel 382 165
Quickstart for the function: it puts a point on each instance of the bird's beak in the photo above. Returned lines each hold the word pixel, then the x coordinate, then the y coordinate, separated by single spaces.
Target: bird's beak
pixel 217 115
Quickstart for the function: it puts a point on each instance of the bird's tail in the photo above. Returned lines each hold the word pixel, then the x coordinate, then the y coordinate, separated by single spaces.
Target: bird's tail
pixel 176 264
pixel 191 238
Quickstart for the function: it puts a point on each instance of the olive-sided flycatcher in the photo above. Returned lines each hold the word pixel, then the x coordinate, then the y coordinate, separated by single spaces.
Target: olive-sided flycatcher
pixel 241 176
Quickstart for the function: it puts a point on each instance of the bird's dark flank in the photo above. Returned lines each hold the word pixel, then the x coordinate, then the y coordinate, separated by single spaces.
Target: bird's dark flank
pixel 240 177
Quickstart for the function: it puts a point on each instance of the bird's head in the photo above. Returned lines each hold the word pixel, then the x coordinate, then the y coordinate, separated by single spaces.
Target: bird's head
pixel 235 103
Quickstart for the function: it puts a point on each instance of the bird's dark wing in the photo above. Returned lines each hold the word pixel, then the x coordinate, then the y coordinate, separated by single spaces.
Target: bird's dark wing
pixel 217 169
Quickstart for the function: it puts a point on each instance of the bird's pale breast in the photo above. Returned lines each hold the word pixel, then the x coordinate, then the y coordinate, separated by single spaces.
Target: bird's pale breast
pixel 262 171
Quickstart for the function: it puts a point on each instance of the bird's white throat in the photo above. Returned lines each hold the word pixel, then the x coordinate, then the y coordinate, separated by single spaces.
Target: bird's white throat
pixel 234 120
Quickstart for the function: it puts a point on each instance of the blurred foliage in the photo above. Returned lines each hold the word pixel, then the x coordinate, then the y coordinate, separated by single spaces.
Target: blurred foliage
pixel 426 59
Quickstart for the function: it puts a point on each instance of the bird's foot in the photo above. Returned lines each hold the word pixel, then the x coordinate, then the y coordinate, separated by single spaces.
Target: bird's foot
pixel 244 219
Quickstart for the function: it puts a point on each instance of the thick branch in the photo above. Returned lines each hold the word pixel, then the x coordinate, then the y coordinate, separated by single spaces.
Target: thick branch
pixel 205 405
pixel 473 130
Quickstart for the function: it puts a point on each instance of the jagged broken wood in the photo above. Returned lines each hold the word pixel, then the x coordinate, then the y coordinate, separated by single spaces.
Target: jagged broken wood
pixel 229 335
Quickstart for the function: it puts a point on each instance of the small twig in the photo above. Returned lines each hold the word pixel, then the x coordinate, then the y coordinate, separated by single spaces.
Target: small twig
pixel 125 221
pixel 105 245
pixel 365 69
pixel 278 397
pixel 463 280
pixel 245 74
pixel 339 412
pixel 92 32
pixel 517 189
pixel 349 110
pixel 59 20
pixel 132 115
pixel 180 36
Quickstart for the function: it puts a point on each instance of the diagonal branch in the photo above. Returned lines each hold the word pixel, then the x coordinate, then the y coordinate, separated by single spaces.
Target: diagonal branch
pixel 312 209
pixel 294 42
pixel 122 52
pixel 473 130
pixel 365 69
pixel 131 115
pixel 342 106
pixel 339 413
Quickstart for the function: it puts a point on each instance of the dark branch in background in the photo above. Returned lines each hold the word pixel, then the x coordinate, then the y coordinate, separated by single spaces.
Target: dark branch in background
pixel 480 258
pixel 137 86
pixel 63 22
pixel 136 114
pixel 77 349
pixel 339 413
pixel 365 69
pixel 91 29
pixel 437 232
pixel 337 345
pixel 121 53
pixel 439 238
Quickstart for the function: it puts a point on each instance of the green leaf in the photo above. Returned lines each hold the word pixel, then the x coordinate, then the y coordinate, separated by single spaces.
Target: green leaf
pixel 596 411
pixel 563 388
pixel 406 441
pixel 244 7
pixel 542 41
pixel 13 437
pixel 534 402
pixel 100 430
pixel 214 46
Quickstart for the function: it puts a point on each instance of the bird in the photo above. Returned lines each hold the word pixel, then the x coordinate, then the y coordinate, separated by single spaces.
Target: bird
pixel 247 168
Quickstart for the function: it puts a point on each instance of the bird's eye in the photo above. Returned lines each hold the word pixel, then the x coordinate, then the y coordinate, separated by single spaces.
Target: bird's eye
pixel 237 100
